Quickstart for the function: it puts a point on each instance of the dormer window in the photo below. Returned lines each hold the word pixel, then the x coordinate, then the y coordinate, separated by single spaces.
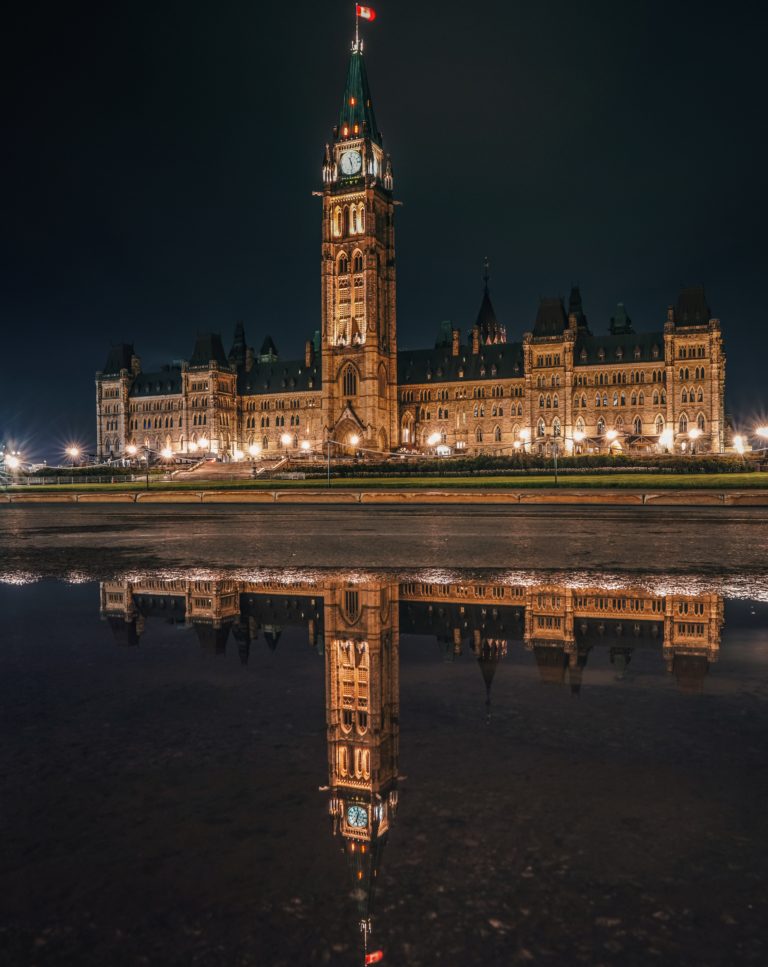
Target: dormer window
pixel 619 352
pixel 655 352
pixel 601 354
pixel 583 355
pixel 637 352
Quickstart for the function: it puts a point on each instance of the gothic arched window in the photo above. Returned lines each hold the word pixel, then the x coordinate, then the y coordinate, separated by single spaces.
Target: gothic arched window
pixel 349 381
pixel 357 262
pixel 343 264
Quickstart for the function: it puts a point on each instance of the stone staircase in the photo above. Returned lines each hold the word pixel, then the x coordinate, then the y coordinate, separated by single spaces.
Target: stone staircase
pixel 212 471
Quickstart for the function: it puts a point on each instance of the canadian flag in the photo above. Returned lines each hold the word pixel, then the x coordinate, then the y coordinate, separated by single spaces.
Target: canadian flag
pixel 367 13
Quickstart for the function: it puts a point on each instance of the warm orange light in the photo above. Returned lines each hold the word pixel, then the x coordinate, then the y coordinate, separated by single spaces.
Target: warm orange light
pixel 359 874
pixel 375 957
pixel 356 129
pixel 346 131
pixel 351 100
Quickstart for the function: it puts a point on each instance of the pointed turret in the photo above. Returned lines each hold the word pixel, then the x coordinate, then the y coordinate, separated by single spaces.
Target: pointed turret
pixel 575 308
pixel 491 330
pixel 621 324
pixel 238 350
pixel 356 117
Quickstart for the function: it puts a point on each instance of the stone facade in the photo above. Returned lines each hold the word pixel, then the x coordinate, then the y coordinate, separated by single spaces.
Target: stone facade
pixel 561 388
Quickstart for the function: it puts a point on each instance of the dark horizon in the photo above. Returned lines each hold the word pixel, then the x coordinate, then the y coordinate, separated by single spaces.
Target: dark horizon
pixel 162 163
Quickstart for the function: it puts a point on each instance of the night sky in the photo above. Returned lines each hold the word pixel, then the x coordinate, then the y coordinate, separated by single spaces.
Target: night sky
pixel 159 160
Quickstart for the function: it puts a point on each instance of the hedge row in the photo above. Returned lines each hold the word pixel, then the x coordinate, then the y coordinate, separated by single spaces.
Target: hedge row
pixel 523 464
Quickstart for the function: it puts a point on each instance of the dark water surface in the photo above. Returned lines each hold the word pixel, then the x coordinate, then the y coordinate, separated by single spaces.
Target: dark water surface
pixel 280 767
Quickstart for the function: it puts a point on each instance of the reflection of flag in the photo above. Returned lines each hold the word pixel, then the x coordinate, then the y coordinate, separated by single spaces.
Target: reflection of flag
pixel 378 955
pixel 367 13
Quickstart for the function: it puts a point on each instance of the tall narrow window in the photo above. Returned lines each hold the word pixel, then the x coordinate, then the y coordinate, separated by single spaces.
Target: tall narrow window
pixel 350 381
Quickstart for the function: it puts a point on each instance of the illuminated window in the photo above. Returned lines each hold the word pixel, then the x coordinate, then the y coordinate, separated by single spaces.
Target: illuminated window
pixel 349 381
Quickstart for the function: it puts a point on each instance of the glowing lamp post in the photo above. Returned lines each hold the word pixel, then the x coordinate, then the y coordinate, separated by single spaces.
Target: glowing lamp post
pixel 525 436
pixel 667 439
pixel 305 446
pixel 254 450
pixel 739 445
pixel 73 453
pixel 693 435
pixel 13 462
pixel 433 439
pixel 286 439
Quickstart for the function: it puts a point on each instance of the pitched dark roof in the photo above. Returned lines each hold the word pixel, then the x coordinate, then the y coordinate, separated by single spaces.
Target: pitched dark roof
pixel 491 331
pixel 504 361
pixel 357 106
pixel 208 346
pixel 551 319
pixel 281 376
pixel 691 308
pixel 164 382
pixel 618 349
pixel 119 357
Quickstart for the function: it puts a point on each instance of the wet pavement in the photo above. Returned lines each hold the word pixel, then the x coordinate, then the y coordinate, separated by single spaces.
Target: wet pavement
pixel 457 755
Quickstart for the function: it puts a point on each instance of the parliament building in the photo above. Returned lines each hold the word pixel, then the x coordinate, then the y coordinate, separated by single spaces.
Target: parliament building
pixel 561 388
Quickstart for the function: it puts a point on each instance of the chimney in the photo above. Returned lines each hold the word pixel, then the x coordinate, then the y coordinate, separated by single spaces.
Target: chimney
pixel 308 354
pixel 455 337
pixel 249 359
pixel 475 340
pixel 135 365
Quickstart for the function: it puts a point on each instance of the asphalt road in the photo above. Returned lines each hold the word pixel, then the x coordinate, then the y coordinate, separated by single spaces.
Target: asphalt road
pixel 55 539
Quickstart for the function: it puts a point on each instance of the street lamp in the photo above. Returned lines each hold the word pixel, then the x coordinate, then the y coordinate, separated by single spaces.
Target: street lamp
pixel 12 461
pixel 666 439
pixel 73 452
pixel 131 449
pixel 204 442
pixel 286 439
pixel 254 449
pixel 738 444
pixel 305 445
pixel 693 435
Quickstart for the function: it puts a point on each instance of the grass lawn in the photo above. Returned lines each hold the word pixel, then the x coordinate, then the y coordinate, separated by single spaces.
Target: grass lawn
pixel 632 481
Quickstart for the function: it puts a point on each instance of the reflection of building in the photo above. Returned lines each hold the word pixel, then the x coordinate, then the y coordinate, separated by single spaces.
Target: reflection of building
pixel 362 695
pixel 560 386
pixel 357 626
pixel 559 625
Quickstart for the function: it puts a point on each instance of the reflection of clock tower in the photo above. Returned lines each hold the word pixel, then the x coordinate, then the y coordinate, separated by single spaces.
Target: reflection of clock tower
pixel 358 275
pixel 362 707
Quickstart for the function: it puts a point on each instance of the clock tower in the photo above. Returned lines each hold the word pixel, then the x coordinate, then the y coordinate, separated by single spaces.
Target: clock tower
pixel 359 344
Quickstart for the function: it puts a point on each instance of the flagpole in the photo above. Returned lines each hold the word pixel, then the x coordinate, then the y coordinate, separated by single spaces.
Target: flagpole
pixel 357 21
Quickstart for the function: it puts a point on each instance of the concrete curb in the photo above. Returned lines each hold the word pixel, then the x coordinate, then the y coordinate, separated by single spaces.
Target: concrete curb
pixel 608 498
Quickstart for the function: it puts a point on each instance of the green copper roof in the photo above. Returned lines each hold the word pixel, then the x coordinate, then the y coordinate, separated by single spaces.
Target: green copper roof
pixel 357 106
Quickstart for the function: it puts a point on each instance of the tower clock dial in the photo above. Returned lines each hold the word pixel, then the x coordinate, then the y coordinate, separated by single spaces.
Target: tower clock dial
pixel 351 162
pixel 357 816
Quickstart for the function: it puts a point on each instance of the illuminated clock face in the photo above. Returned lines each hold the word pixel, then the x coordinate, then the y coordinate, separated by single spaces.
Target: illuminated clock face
pixel 357 816
pixel 351 162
